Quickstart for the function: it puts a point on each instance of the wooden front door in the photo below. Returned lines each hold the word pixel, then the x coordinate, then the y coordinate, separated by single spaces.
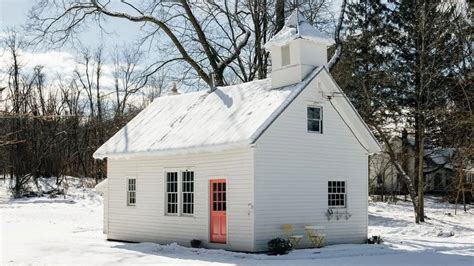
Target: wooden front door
pixel 218 207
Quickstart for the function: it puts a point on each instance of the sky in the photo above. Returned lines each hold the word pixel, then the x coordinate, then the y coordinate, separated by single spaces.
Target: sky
pixel 13 13
pixel 60 62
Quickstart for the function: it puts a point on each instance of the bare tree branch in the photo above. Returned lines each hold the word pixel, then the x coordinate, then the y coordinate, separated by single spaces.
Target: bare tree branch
pixel 337 37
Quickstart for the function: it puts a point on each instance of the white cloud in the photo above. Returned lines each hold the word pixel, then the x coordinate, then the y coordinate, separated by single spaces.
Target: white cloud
pixel 56 64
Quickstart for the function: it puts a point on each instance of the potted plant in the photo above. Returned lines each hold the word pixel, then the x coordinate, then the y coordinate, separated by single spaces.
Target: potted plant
pixel 195 243
pixel 279 246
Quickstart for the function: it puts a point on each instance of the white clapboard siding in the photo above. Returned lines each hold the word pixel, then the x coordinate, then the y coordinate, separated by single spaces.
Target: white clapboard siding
pixel 147 222
pixel 293 166
pixel 106 210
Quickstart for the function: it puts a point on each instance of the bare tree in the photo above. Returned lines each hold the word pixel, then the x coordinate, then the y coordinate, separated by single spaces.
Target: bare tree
pixel 337 37
pixel 196 38
pixel 279 14
pixel 128 77
pixel 181 21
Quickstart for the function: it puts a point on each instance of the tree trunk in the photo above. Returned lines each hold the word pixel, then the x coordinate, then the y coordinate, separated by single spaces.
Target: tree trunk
pixel 421 181
pixel 337 38
pixel 459 189
pixel 383 186
pixel 420 119
pixel 464 199
pixel 280 15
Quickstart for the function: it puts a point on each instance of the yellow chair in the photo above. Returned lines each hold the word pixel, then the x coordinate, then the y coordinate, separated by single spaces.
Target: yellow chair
pixel 294 239
pixel 316 236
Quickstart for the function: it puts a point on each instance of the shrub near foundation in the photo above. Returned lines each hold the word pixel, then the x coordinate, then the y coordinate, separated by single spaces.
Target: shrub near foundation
pixel 279 246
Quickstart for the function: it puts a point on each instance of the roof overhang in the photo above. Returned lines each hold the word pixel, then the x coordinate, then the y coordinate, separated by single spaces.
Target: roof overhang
pixel 352 118
pixel 180 151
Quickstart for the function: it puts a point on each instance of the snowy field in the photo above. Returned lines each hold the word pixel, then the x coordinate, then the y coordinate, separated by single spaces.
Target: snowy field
pixel 68 230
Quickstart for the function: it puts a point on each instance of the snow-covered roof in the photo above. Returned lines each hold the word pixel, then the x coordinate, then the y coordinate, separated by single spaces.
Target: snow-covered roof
pixel 436 156
pixel 440 156
pixel 297 27
pixel 229 117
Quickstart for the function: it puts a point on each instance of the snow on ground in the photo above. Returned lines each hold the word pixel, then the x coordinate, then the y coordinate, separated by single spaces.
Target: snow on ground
pixel 69 231
pixel 443 232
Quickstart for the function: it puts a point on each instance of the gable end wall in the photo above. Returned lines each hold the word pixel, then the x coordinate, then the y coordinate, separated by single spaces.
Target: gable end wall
pixel 292 167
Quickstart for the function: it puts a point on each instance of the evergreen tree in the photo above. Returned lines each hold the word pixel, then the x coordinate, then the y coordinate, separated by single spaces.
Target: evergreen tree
pixel 398 67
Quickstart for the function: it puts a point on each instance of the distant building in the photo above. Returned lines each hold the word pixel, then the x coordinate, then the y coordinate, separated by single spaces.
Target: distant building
pixel 438 169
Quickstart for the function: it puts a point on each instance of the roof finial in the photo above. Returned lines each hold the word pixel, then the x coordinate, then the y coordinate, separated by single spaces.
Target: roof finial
pixel 174 90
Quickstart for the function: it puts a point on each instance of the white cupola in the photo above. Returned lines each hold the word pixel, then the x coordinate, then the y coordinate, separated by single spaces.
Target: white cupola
pixel 296 50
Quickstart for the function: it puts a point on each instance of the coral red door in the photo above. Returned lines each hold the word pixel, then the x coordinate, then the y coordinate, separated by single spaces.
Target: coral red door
pixel 218 207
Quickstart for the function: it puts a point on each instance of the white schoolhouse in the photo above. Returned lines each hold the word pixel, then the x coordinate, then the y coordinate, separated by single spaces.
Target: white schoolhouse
pixel 231 166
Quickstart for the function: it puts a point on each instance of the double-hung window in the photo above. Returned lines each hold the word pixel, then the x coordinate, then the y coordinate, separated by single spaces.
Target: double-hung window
pixel 187 192
pixel 179 193
pixel 315 119
pixel 131 191
pixel 172 193
pixel 337 194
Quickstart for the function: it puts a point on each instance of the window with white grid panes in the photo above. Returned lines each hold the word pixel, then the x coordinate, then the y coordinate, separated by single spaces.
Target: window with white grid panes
pixel 187 188
pixel 131 191
pixel 315 119
pixel 172 193
pixel 336 193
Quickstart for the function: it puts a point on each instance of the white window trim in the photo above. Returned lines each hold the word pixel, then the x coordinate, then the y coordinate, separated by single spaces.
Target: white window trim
pixel 166 192
pixel 128 192
pixel 321 117
pixel 345 194
pixel 180 192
